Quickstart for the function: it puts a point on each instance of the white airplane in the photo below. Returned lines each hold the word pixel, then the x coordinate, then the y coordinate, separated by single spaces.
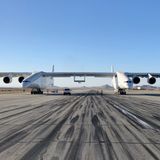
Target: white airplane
pixel 40 81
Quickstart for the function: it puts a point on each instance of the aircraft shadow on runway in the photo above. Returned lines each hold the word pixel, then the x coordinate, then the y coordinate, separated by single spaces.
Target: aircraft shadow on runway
pixel 145 94
pixel 75 94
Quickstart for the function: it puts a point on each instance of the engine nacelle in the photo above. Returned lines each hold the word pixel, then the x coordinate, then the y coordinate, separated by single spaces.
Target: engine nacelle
pixel 7 80
pixel 151 79
pixel 136 80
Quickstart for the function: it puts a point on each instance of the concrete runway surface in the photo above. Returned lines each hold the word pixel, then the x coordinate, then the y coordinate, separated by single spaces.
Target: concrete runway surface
pixel 79 127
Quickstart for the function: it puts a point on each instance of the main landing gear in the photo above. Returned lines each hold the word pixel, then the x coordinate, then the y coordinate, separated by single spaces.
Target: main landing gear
pixel 120 92
pixel 36 91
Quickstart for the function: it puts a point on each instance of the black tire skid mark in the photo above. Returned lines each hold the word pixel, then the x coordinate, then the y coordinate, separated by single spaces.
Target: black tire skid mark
pixel 23 112
pixel 11 135
pixel 139 114
pixel 54 122
pixel 101 134
pixel 75 145
pixel 124 146
pixel 41 147
pixel 17 135
pixel 132 120
pixel 141 117
pixel 16 108
pixel 74 119
pixel 143 144
pixel 37 107
pixel 133 124
pixel 104 110
pixel 11 140
pixel 75 149
pixel 69 133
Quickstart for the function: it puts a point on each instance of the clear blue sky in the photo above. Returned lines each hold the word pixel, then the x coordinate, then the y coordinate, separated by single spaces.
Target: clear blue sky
pixel 80 35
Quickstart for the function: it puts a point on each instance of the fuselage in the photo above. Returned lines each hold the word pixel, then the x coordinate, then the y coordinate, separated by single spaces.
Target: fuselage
pixel 121 81
pixel 45 80
pixel 38 81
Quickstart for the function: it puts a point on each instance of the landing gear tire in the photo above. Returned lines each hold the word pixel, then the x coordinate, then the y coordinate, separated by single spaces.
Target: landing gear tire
pixel 122 92
pixel 36 91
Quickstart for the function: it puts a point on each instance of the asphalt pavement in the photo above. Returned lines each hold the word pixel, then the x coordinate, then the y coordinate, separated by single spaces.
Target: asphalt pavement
pixel 79 127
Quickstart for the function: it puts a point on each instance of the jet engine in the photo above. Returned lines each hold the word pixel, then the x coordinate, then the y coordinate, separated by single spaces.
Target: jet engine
pixel 151 79
pixel 7 80
pixel 20 79
pixel 136 80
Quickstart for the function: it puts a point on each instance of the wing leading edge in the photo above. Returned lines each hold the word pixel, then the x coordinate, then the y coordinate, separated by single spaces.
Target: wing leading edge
pixel 80 74
pixel 142 75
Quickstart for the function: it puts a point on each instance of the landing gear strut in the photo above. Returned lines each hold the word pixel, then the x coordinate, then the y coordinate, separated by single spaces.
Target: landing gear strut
pixel 36 91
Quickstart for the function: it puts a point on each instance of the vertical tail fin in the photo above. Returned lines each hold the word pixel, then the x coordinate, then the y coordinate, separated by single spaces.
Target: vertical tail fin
pixel 112 69
pixel 53 77
pixel 53 68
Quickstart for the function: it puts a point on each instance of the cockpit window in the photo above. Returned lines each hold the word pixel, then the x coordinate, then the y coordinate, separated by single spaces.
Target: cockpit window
pixel 128 81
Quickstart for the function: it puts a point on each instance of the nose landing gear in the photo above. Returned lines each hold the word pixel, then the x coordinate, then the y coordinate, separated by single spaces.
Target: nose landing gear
pixel 122 91
pixel 36 91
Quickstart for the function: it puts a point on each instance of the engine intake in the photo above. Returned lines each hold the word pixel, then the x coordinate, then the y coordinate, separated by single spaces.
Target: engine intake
pixel 151 80
pixel 7 80
pixel 136 80
pixel 20 79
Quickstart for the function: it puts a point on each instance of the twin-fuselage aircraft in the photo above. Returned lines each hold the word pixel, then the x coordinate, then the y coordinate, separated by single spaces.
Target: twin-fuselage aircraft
pixel 40 81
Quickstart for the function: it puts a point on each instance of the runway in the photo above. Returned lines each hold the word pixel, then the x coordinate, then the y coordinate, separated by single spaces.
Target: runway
pixel 79 127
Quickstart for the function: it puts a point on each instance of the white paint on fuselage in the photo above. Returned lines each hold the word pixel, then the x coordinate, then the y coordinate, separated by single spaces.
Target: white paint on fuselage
pixel 121 81
pixel 37 80
pixel 115 82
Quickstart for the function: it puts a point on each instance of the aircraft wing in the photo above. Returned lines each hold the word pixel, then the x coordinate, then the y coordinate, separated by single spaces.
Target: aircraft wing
pixel 78 74
pixel 15 74
pixel 143 75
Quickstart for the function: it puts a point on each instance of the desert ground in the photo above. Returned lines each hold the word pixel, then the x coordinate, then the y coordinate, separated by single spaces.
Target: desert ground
pixel 83 126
